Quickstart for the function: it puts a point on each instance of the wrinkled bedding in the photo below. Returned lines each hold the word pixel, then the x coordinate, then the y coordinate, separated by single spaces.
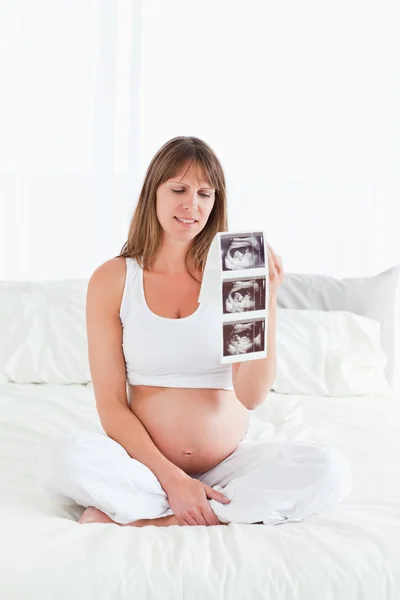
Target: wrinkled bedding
pixel 351 552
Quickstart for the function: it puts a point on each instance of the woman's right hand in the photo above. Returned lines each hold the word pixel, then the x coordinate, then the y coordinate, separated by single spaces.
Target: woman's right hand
pixel 188 498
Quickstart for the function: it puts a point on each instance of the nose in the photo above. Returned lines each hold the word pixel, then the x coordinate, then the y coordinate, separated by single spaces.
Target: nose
pixel 191 200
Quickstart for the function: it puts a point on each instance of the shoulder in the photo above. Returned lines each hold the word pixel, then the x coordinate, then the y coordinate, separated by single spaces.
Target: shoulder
pixel 106 284
pixel 110 271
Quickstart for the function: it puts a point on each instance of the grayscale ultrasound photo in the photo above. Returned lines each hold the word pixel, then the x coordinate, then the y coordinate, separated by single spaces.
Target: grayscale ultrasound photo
pixel 244 337
pixel 243 295
pixel 242 251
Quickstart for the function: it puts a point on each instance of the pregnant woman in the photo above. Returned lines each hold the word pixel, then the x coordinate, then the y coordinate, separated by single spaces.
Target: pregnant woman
pixel 174 449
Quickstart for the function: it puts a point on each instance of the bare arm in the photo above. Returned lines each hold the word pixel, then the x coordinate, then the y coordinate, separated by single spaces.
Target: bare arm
pixel 107 367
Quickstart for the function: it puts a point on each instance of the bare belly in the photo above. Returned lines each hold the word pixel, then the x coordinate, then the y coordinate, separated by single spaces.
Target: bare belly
pixel 194 428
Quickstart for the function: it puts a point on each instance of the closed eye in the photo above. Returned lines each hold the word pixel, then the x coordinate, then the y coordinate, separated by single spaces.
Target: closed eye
pixel 181 192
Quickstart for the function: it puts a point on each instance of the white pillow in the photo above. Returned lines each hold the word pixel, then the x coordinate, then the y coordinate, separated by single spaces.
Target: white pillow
pixel 43 332
pixel 43 340
pixel 329 353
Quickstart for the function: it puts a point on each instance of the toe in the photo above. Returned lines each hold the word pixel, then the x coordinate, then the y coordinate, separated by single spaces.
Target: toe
pixel 94 515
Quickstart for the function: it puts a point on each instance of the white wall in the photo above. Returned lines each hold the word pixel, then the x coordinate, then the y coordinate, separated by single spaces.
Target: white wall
pixel 300 100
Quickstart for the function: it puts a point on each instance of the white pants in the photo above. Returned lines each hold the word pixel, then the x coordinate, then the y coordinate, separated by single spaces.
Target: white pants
pixel 269 482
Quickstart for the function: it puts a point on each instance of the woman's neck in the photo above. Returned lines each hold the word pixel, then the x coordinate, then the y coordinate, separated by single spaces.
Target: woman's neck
pixel 170 260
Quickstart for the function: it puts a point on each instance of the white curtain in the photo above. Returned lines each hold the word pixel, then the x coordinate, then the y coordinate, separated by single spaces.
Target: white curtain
pixel 300 100
pixel 70 134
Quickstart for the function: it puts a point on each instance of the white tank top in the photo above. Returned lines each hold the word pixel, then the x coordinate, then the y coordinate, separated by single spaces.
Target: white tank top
pixel 182 353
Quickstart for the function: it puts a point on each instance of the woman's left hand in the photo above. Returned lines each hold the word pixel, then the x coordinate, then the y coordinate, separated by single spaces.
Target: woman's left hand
pixel 276 273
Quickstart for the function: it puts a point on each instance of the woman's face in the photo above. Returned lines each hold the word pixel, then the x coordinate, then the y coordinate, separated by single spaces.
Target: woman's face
pixel 184 197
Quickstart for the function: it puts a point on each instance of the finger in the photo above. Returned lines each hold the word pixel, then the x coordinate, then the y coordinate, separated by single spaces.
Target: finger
pixel 271 251
pixel 211 493
pixel 273 274
pixel 191 520
pixel 281 270
pixel 272 267
pixel 270 261
pixel 210 515
pixel 277 260
pixel 274 255
pixel 199 518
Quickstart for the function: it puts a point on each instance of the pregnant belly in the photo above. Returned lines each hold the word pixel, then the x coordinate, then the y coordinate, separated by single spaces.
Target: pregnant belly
pixel 193 428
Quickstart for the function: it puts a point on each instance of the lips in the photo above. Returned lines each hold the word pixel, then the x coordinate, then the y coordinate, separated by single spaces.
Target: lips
pixel 187 219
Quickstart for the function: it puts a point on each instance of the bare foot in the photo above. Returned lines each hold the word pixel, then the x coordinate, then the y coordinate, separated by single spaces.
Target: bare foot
pixel 160 522
pixel 164 522
pixel 95 515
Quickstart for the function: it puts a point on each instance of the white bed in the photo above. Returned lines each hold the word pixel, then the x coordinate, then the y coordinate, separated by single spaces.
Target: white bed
pixel 352 552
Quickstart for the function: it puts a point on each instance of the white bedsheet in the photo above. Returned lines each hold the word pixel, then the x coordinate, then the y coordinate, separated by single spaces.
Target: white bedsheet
pixel 352 552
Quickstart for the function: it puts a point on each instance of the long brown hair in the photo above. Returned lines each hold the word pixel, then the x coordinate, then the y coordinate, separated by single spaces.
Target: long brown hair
pixel 144 235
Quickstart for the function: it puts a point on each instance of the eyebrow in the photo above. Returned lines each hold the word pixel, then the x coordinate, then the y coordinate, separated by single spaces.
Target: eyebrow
pixel 202 188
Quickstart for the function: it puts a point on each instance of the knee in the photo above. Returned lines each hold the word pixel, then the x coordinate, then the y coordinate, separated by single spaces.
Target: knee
pixel 67 450
pixel 336 471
